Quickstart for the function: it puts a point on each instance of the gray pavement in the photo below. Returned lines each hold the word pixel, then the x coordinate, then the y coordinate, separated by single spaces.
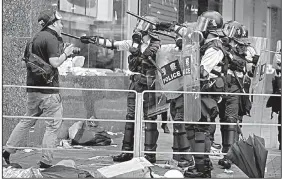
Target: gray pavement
pixel 97 157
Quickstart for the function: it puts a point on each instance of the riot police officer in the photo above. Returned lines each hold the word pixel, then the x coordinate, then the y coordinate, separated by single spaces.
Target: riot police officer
pixel 229 107
pixel 209 25
pixel 143 48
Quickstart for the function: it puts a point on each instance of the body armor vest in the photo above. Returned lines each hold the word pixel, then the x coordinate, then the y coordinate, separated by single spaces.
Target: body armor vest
pixel 216 44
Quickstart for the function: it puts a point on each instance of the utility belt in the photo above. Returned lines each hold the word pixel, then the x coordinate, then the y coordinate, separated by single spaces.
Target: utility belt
pixel 143 79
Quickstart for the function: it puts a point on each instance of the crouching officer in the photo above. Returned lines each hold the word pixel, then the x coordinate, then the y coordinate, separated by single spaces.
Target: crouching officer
pixel 143 48
pixel 209 24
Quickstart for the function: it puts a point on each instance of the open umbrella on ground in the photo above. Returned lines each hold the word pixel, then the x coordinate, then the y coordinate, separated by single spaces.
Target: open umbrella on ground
pixel 250 156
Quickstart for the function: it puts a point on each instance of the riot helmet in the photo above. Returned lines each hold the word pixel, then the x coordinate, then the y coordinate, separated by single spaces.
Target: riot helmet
pixel 210 22
pixel 144 28
pixel 245 32
pixel 233 30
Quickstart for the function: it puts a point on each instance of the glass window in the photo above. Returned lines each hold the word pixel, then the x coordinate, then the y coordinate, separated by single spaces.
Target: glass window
pixel 105 18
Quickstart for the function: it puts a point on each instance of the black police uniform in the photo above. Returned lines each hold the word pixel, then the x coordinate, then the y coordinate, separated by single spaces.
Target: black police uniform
pixel 139 83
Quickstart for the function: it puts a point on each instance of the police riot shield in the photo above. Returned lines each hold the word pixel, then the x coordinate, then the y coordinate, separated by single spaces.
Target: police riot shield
pixel 258 81
pixel 169 77
pixel 191 76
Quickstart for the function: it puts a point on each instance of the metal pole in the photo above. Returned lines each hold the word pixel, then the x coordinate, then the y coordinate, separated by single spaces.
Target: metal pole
pixel 138 125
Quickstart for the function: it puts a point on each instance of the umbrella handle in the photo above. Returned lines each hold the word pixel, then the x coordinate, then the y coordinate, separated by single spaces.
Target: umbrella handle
pixel 240 130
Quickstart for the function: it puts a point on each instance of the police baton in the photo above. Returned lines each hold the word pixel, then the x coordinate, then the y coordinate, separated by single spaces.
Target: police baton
pixel 69 35
pixel 237 79
pixel 164 34
pixel 139 17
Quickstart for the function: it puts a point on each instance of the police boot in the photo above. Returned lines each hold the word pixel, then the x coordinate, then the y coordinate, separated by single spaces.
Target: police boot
pixel 151 137
pixel 128 141
pixel 181 144
pixel 228 134
pixel 202 169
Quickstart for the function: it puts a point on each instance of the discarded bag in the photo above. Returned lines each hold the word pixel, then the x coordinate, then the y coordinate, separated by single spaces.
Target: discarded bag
pixel 60 171
pixel 82 135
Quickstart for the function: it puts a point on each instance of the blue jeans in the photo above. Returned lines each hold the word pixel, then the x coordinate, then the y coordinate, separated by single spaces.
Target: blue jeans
pixel 43 105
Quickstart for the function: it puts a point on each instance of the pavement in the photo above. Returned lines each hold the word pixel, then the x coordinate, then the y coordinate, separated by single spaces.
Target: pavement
pixel 93 158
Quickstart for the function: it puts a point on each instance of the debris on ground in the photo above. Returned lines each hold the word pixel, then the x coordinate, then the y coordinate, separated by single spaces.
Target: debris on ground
pixel 136 168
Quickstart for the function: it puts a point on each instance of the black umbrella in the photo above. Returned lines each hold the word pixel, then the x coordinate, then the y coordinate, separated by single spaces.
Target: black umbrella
pixel 260 154
pixel 250 156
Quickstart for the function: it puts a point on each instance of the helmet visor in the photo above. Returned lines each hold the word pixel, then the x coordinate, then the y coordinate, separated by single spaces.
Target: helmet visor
pixel 202 24
pixel 142 25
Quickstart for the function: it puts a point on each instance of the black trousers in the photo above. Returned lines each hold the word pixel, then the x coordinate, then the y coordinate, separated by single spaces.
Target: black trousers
pixel 151 132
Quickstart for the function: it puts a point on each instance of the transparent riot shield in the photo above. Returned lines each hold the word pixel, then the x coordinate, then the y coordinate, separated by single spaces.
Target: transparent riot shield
pixel 191 75
pixel 169 76
pixel 258 81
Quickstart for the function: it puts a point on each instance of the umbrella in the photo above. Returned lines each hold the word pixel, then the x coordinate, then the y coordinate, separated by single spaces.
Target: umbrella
pixel 260 154
pixel 250 156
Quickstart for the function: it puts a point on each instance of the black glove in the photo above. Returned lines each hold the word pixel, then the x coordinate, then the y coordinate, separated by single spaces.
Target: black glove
pixel 133 63
pixel 165 26
pixel 236 65
pixel 88 39
pixel 134 51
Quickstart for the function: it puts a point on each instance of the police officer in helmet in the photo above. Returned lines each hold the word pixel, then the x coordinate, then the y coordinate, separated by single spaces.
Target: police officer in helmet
pixel 229 107
pixel 143 48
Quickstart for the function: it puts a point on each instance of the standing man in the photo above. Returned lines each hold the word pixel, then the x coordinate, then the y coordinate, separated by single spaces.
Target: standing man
pixel 143 48
pixel 209 24
pixel 48 45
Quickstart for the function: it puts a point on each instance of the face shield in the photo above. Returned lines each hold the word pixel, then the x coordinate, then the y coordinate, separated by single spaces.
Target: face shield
pixel 142 26
pixel 202 24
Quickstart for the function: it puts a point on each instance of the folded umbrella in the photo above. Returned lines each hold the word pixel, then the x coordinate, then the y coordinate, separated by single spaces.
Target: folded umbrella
pixel 250 156
pixel 260 154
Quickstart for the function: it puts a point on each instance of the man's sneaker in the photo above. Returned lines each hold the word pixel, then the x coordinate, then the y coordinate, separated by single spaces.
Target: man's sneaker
pixel 186 163
pixel 123 157
pixel 151 158
pixel 6 156
pixel 216 145
pixel 166 129
pixel 43 165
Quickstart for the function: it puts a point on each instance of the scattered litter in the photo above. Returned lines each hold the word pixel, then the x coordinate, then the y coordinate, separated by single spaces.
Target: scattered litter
pixel 65 144
pixel 28 150
pixel 114 145
pixel 78 146
pixel 114 133
pixel 99 157
pixel 228 171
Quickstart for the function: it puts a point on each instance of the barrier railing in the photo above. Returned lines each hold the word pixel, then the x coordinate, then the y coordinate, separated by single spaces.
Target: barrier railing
pixel 203 123
pixel 138 118
pixel 137 113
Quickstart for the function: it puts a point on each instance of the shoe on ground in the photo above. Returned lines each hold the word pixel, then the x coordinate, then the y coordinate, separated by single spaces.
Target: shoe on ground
pixel 6 156
pixel 44 165
pixel 151 158
pixel 225 163
pixel 166 129
pixel 193 173
pixel 123 157
pixel 186 163
pixel 216 145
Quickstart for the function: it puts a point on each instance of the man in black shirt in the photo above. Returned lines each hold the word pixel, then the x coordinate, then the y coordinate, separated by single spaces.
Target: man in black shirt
pixel 48 45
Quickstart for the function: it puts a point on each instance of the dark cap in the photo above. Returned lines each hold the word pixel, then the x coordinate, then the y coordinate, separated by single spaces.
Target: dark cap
pixel 48 17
